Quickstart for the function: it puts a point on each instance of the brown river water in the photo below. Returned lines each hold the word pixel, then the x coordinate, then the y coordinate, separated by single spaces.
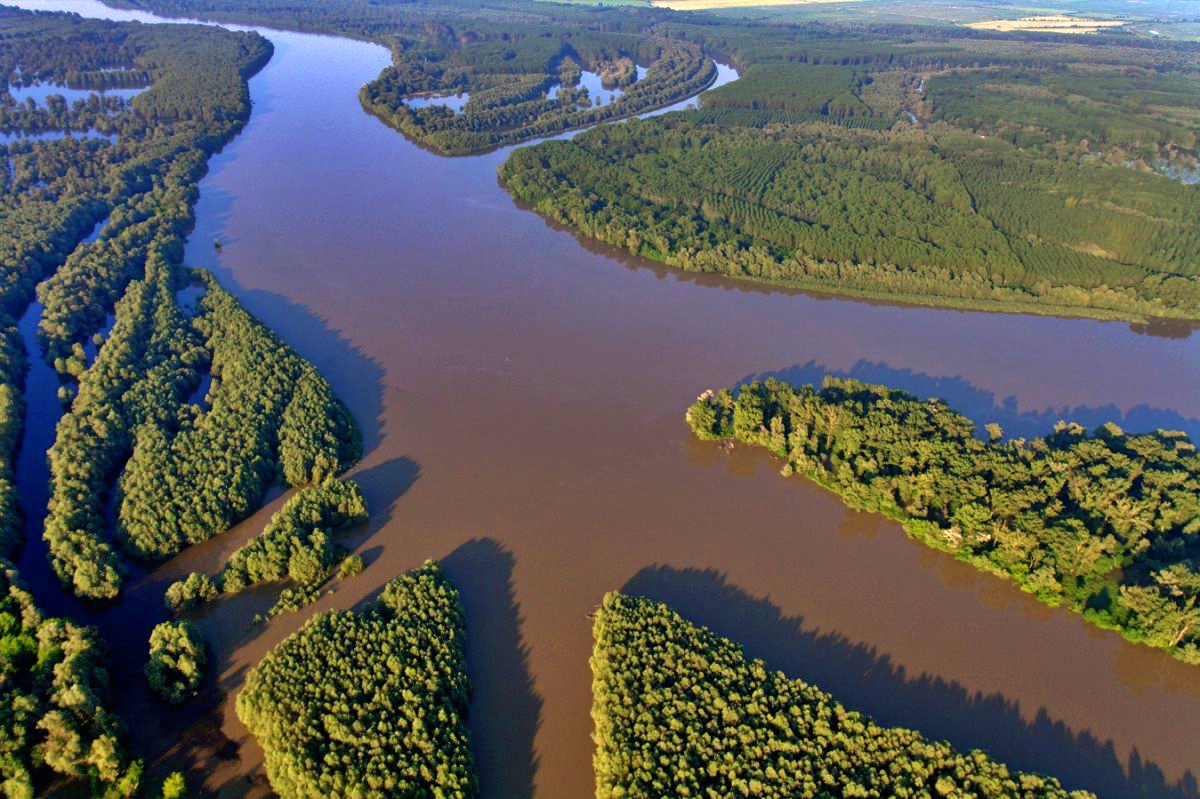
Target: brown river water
pixel 522 397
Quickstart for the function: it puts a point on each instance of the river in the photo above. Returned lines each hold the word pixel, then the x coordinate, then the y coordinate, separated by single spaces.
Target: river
pixel 522 397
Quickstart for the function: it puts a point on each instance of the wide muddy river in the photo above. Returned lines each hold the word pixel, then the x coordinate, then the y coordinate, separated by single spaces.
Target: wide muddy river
pixel 522 397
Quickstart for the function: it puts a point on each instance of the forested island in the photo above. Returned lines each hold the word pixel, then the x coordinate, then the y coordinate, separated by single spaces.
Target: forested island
pixel 518 64
pixel 96 202
pixel 1102 523
pixel 682 712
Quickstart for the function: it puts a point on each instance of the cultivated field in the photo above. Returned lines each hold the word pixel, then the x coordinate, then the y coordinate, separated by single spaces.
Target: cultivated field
pixel 1048 24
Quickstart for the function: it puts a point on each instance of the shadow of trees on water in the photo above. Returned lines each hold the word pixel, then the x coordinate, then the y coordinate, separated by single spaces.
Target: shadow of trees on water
pixel 982 406
pixel 863 679
pixel 505 709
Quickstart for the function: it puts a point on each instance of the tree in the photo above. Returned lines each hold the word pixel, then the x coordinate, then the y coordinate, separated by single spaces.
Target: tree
pixel 177 661
pixel 1166 613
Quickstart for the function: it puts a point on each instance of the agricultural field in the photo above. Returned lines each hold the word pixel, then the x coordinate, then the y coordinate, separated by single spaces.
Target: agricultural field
pixel 1050 23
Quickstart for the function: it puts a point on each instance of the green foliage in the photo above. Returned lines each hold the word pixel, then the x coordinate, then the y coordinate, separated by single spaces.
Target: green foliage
pixel 1078 520
pixel 177 661
pixel 1166 611
pixel 297 542
pixel 781 197
pixel 507 55
pixel 142 178
pixel 681 712
pixel 351 566
pixel 368 703
pixel 145 369
pixel 53 697
pixel 940 166
pixel 128 784
pixel 197 100
pixel 515 111
pixel 202 471
pixel 293 599
pixel 827 90
pixel 174 787
pixel 1120 110
pixel 12 373
pixel 190 592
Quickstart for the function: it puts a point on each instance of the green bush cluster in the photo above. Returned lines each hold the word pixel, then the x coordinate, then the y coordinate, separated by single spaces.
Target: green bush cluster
pixel 130 784
pixel 293 599
pixel 177 661
pixel 1103 523
pixel 297 542
pixel 190 592
pixel 371 702
pixel 351 566
pixel 681 712
pixel 54 697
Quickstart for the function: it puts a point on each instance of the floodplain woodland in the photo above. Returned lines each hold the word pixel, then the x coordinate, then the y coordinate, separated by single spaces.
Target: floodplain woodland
pixel 394 396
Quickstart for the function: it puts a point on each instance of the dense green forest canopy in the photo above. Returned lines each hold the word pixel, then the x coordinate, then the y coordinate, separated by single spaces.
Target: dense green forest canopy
pixel 369 702
pixel 182 472
pixel 519 63
pixel 54 697
pixel 681 712
pixel 1105 523
pixel 1023 173
pixel 96 200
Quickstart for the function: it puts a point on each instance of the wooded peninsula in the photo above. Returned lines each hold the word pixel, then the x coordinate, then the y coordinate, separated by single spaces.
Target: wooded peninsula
pixel 1101 523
